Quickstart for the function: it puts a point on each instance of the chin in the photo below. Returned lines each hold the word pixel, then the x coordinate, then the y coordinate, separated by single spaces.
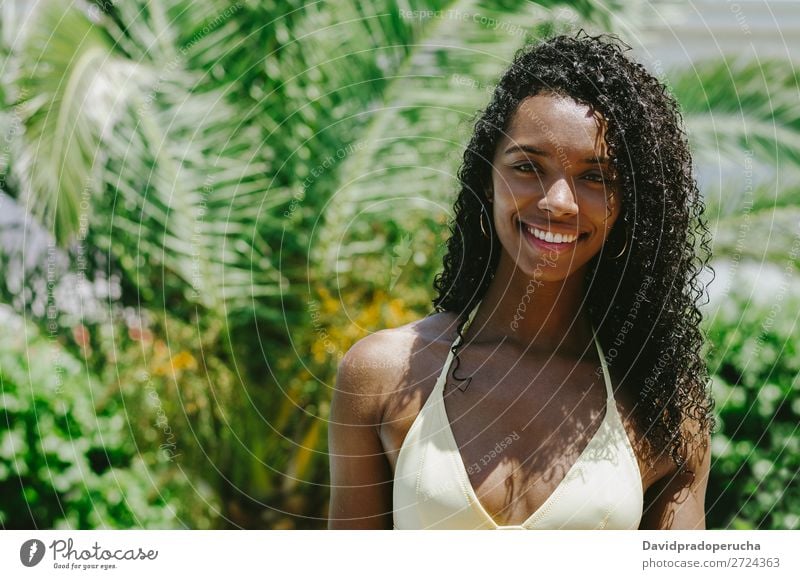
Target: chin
pixel 547 274
pixel 546 268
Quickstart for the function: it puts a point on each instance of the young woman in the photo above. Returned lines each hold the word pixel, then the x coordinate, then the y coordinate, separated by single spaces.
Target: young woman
pixel 560 383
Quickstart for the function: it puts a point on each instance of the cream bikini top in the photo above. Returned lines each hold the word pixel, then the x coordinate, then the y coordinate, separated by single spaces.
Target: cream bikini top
pixel 432 489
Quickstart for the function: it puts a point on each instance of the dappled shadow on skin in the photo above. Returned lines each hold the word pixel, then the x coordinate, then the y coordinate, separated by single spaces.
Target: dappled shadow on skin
pixel 660 492
pixel 520 425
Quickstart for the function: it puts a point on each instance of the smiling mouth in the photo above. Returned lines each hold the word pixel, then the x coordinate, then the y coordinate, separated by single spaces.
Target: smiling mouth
pixel 549 238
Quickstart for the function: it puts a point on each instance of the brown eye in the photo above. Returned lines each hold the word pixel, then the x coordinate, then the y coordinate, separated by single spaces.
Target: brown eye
pixel 595 178
pixel 526 168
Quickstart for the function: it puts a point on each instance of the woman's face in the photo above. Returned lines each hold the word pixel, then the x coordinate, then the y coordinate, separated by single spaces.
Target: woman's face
pixel 553 202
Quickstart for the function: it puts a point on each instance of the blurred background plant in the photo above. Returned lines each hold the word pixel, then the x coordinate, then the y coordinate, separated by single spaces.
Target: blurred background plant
pixel 204 204
pixel 757 363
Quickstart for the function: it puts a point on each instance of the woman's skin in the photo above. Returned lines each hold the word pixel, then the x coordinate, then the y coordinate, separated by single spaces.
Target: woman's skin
pixel 534 366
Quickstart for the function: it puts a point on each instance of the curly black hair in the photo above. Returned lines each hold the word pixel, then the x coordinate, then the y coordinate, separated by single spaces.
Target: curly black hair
pixel 644 305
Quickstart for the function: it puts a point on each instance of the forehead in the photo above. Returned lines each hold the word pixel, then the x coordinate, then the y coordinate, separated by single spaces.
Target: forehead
pixel 557 121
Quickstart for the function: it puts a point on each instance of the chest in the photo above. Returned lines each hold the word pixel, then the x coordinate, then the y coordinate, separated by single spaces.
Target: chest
pixel 519 426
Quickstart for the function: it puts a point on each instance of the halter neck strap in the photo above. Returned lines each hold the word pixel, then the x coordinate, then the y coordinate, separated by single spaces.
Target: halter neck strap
pixel 606 376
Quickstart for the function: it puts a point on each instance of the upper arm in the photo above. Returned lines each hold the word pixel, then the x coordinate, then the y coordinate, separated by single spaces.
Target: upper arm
pixel 678 501
pixel 361 477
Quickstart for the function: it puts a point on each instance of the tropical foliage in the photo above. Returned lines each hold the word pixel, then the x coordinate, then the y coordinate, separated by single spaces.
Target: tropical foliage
pixel 757 363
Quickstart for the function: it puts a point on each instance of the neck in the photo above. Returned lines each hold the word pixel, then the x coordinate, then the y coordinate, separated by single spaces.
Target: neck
pixel 545 316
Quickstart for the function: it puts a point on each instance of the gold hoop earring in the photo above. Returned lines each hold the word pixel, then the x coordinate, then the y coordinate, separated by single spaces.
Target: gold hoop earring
pixel 624 247
pixel 486 235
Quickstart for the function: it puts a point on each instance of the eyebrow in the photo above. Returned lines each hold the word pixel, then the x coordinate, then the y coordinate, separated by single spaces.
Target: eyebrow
pixel 536 151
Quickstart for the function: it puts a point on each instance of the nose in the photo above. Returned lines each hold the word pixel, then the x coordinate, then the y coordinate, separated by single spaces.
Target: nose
pixel 559 199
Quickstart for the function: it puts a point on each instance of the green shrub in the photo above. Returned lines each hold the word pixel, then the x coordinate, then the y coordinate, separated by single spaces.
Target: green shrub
pixel 67 458
pixel 755 361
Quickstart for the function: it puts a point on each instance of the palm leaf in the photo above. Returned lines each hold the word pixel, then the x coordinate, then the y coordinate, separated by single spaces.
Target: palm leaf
pixel 70 93
pixel 174 170
pixel 744 126
pixel 193 181
pixel 766 235
pixel 184 135
pixel 743 119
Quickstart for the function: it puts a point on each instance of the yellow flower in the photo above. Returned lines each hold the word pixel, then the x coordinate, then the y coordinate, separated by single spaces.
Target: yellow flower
pixel 183 360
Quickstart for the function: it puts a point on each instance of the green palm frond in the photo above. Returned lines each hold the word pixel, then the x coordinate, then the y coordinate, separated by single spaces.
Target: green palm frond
pixel 767 235
pixel 200 194
pixel 743 119
pixel 222 98
pixel 191 139
pixel 179 175
pixel 69 94
pixel 145 31
pixel 10 16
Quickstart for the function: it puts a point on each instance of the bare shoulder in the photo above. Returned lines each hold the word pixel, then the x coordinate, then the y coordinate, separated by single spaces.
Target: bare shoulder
pixel 697 447
pixel 677 500
pixel 381 363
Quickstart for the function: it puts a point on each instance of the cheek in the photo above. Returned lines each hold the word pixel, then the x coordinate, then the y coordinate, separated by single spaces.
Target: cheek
pixel 602 212
pixel 615 213
pixel 505 203
pixel 503 184
pixel 505 214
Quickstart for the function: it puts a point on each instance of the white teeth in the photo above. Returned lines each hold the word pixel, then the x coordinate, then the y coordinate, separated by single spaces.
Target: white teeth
pixel 550 237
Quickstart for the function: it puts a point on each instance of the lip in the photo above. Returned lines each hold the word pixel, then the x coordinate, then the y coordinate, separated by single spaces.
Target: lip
pixel 552 227
pixel 546 245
